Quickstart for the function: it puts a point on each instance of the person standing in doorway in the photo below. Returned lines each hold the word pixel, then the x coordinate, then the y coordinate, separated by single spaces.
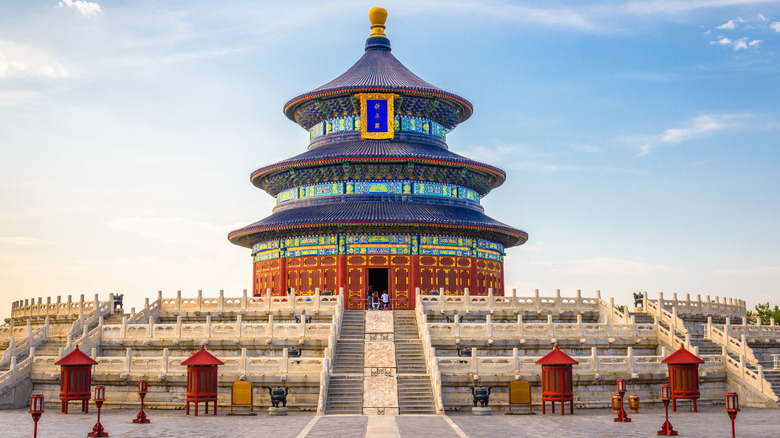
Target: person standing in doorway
pixel 376 300
pixel 370 297
pixel 385 300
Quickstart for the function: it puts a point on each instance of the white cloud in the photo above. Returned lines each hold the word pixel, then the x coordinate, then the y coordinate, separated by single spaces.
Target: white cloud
pixel 20 240
pixel 740 44
pixel 88 9
pixel 743 43
pixel 700 126
pixel 775 26
pixel 729 25
pixel 20 60
pixel 602 266
pixel 723 41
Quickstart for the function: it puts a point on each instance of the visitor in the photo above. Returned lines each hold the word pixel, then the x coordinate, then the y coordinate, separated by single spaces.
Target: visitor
pixel 375 299
pixel 370 297
pixel 385 299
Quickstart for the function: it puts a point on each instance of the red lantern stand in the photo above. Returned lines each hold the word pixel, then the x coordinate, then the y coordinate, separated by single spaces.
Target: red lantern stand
pixel 557 379
pixel 683 376
pixel 202 376
pixel 666 395
pixel 622 417
pixel 36 410
pixel 732 407
pixel 100 397
pixel 142 390
pixel 75 379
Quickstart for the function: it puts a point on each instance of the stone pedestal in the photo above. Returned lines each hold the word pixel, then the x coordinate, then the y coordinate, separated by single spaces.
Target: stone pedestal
pixel 479 410
pixel 277 411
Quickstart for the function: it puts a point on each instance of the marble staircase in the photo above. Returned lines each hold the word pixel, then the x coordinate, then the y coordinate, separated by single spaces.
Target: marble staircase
pixel 345 389
pixel 415 394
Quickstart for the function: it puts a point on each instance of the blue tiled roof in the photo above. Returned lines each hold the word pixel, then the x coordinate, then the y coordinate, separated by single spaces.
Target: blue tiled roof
pixel 355 149
pixel 365 216
pixel 379 70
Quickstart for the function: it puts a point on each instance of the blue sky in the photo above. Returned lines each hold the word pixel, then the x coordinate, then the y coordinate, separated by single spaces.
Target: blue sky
pixel 640 138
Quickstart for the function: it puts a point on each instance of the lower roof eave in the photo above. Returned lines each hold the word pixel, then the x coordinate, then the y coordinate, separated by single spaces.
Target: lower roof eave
pixel 250 235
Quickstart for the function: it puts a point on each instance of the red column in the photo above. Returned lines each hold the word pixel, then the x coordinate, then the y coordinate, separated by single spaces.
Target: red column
pixel 341 277
pixel 282 276
pixel 474 289
pixel 414 279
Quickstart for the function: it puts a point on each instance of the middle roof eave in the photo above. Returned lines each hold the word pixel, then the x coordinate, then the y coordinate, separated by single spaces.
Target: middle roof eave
pixel 372 214
pixel 379 151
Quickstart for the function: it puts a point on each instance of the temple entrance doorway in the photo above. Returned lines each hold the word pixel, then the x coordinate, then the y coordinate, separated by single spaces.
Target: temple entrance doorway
pixel 379 279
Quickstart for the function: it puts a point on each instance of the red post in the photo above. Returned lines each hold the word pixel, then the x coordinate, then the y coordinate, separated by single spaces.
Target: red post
pixel 621 389
pixel 142 390
pixel 36 410
pixel 100 397
pixel 732 407
pixel 666 394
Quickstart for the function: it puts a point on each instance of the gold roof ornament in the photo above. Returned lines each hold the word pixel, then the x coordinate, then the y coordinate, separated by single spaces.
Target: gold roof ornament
pixel 378 16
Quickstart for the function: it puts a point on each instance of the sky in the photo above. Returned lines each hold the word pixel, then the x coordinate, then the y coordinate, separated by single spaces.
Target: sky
pixel 640 138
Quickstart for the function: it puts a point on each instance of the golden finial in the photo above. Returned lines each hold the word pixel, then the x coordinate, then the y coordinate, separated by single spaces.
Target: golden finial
pixel 378 16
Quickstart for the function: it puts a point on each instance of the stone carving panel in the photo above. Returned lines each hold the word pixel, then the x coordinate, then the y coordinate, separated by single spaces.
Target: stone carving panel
pixel 380 392
pixel 379 354
pixel 379 322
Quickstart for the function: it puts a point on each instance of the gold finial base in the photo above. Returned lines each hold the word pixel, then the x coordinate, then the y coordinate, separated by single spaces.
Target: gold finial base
pixel 378 16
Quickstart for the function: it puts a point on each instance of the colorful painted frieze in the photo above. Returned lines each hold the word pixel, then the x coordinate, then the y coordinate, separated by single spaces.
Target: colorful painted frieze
pixel 468 194
pixel 434 189
pixel 446 241
pixel 266 255
pixel 293 242
pixel 382 186
pixel 379 238
pixel 325 189
pixel 317 130
pixel 312 251
pixel 446 251
pixel 378 249
pixel 487 244
pixel 364 187
pixel 262 246
pixel 490 255
pixel 400 123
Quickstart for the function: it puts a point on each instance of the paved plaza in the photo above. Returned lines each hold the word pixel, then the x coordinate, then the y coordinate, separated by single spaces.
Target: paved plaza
pixel 709 422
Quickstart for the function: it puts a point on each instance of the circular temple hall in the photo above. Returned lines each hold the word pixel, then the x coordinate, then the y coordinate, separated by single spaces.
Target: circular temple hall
pixel 378 199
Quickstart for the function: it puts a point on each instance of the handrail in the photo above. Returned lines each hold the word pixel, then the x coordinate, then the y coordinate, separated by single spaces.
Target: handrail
pixel 721 335
pixel 431 364
pixel 171 365
pixel 594 363
pixel 260 303
pixel 32 340
pixel 554 330
pixel 491 302
pixel 28 308
pixel 705 307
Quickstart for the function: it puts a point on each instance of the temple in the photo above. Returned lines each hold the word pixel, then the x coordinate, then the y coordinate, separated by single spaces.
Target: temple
pixel 378 199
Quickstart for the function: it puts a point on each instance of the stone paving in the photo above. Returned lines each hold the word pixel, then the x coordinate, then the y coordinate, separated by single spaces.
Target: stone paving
pixel 709 422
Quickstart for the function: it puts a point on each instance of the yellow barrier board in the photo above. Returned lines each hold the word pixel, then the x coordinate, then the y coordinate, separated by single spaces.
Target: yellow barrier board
pixel 520 392
pixel 242 393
